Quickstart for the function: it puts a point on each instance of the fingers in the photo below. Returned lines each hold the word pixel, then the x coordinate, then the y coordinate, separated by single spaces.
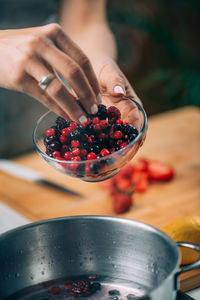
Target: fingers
pixel 56 92
pixel 71 49
pixel 71 71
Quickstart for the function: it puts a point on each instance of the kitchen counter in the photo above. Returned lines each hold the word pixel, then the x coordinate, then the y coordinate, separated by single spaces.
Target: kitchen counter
pixel 173 137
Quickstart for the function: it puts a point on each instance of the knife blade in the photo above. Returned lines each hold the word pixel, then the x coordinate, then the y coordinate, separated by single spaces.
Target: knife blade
pixel 31 175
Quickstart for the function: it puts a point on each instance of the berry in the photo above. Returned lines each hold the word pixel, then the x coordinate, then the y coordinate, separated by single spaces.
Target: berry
pixel 119 142
pixel 64 148
pixel 96 120
pixel 56 154
pixel 88 121
pixel 76 151
pixel 68 155
pixel 83 153
pixel 130 130
pixel 66 131
pixel 75 158
pixel 94 168
pixel 55 145
pixel 103 136
pixel 113 114
pixel 75 134
pixel 61 123
pixel 81 288
pixel 97 127
pixel 105 152
pixel 72 126
pixel 55 290
pixel 123 145
pixel 90 139
pixel 104 124
pixel 91 156
pixel 50 132
pixel 75 143
pixel 62 139
pixel 49 139
pixel 119 122
pixel 102 112
pixel 117 135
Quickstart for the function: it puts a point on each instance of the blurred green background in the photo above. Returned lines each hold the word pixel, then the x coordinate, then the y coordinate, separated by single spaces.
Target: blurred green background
pixel 159 50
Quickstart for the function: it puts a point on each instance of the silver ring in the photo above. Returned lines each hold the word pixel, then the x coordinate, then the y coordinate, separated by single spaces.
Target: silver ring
pixel 45 81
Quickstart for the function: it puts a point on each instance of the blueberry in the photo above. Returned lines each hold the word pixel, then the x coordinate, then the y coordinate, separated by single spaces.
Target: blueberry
pixel 114 293
pixel 94 168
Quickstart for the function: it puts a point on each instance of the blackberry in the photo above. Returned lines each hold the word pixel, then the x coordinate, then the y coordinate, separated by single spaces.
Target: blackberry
pixel 62 123
pixel 102 112
pixel 130 129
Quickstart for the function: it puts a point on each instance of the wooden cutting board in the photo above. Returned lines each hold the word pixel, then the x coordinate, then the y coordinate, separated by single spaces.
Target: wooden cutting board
pixel 173 137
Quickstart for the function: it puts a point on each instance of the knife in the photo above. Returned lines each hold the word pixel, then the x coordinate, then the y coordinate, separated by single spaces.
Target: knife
pixel 31 175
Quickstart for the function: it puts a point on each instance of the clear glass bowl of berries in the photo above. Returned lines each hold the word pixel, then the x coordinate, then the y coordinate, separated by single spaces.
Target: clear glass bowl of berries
pixel 94 151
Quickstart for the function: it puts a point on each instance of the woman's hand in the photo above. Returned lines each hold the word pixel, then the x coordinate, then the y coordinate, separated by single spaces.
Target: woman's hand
pixel 115 85
pixel 28 55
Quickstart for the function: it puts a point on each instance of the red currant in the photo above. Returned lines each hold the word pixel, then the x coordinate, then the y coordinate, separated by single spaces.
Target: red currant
pixel 105 152
pixel 75 158
pixel 76 151
pixel 63 139
pixel 123 145
pixel 91 156
pixel 66 131
pixel 68 155
pixel 56 154
pixel 50 132
pixel 75 143
pixel 72 126
pixel 95 120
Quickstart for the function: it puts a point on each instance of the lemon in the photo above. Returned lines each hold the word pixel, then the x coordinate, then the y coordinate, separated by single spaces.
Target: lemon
pixel 185 229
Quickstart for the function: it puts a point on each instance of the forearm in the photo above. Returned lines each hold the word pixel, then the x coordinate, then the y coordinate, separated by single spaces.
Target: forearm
pixel 85 22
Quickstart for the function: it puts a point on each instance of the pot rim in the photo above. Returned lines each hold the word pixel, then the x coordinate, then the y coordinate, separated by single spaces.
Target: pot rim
pixel 143 225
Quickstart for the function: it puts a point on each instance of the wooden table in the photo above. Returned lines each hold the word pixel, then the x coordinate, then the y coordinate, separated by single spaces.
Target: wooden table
pixel 173 137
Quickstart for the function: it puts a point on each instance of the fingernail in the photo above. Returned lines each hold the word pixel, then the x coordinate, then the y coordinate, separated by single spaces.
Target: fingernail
pixel 118 90
pixel 94 109
pixel 82 119
pixel 99 99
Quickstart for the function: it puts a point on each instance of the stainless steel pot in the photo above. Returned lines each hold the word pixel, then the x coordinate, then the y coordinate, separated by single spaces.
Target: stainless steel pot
pixel 73 246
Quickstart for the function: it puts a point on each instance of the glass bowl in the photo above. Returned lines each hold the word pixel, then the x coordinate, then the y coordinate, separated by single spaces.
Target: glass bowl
pixel 89 170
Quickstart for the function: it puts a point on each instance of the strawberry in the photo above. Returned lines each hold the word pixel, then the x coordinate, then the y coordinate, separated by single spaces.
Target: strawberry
pixel 121 202
pixel 140 181
pixel 141 165
pixel 123 184
pixel 159 171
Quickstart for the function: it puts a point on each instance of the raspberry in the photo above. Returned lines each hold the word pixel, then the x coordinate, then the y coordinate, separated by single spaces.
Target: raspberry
pixel 103 136
pixel 91 156
pixel 81 288
pixel 117 135
pixel 68 155
pixel 113 114
pixel 105 152
pixel 66 131
pixel 50 132
pixel 75 143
